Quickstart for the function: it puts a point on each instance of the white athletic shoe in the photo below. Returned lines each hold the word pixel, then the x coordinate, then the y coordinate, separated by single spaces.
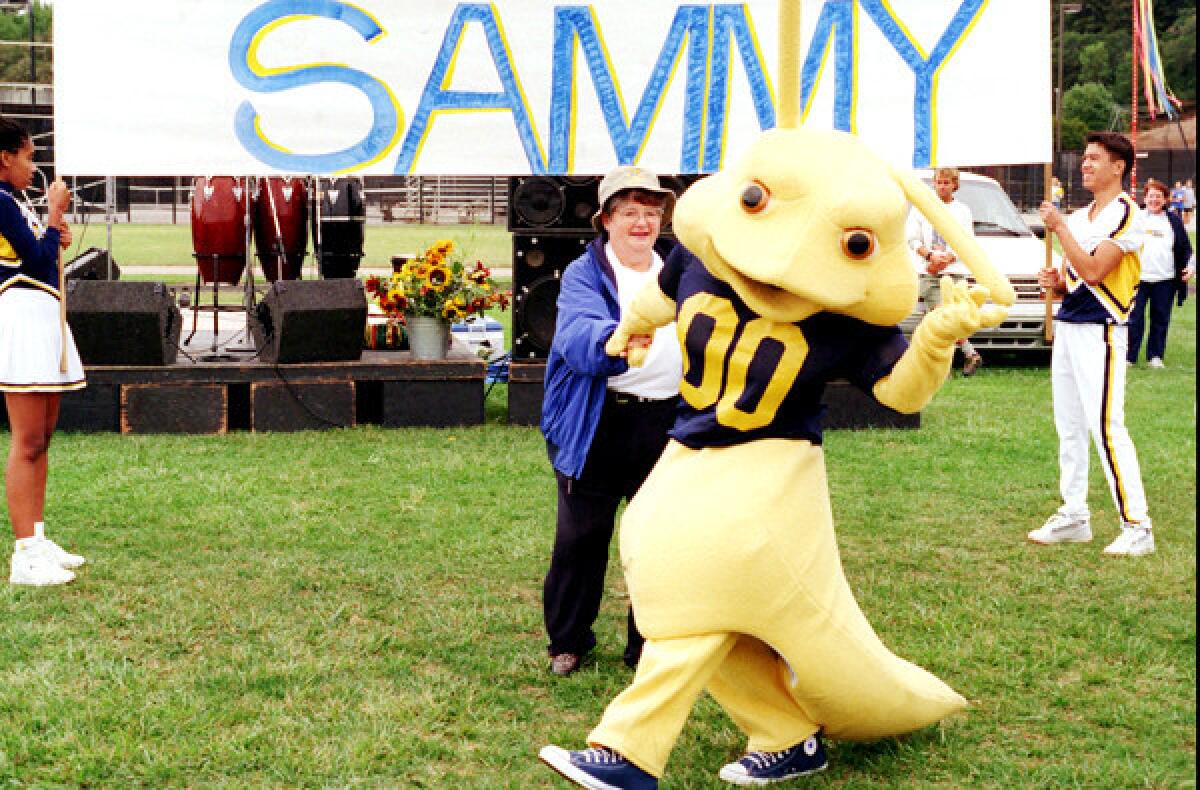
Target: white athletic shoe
pixel 1062 528
pixel 60 555
pixel 1156 362
pixel 1135 540
pixel 33 565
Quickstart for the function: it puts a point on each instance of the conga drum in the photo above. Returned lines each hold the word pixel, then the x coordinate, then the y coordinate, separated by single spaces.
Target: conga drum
pixel 280 227
pixel 338 226
pixel 219 228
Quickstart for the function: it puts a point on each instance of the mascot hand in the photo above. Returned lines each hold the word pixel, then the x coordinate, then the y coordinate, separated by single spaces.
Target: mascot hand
pixel 961 314
pixel 618 344
pixel 633 347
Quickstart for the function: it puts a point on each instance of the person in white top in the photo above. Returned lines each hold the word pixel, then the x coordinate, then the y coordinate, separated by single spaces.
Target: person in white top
pixel 937 258
pixel 605 422
pixel 1101 267
pixel 1165 256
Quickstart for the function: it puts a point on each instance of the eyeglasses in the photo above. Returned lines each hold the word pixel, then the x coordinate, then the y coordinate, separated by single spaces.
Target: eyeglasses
pixel 635 213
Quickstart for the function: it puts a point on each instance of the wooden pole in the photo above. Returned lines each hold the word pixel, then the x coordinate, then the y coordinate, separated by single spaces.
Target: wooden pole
pixel 1133 103
pixel 789 64
pixel 62 312
pixel 1048 191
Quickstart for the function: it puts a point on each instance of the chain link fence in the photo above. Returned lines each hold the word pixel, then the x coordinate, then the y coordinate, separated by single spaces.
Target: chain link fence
pixel 408 199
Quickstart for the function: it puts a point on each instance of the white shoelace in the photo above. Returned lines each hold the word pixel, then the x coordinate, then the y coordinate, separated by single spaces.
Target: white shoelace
pixel 764 760
pixel 600 756
pixel 1059 522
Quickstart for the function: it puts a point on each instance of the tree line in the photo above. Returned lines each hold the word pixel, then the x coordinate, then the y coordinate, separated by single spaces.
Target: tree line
pixel 24 63
pixel 1097 53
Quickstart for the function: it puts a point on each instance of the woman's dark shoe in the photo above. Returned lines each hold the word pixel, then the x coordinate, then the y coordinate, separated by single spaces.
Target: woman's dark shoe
pixel 564 664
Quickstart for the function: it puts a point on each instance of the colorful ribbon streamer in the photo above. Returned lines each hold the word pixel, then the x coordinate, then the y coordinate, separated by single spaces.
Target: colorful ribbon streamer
pixel 1158 96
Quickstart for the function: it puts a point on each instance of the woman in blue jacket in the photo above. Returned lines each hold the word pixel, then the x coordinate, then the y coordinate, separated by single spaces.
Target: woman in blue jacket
pixel 31 344
pixel 605 423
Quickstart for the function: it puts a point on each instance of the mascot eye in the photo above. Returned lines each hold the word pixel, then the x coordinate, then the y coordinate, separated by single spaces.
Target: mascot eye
pixel 755 197
pixel 858 244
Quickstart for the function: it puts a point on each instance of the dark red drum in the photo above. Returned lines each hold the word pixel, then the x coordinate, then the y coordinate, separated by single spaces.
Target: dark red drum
pixel 338 224
pixel 219 228
pixel 280 226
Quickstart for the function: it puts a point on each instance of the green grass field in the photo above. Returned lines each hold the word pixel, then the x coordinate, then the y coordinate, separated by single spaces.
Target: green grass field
pixel 361 608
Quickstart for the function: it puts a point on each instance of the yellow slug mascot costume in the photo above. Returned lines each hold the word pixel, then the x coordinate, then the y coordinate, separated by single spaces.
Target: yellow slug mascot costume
pixel 801 274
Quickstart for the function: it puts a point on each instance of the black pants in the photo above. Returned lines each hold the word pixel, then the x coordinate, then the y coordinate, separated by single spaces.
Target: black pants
pixel 1159 296
pixel 628 441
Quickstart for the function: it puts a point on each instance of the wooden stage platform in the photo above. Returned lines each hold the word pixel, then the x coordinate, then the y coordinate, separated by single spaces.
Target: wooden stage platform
pixel 846 406
pixel 388 388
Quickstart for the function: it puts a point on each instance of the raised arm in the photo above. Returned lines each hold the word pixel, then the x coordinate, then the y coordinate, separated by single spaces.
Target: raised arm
pixel 39 257
pixel 653 306
pixel 584 325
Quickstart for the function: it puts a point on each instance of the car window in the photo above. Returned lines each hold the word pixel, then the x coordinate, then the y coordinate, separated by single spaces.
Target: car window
pixel 992 211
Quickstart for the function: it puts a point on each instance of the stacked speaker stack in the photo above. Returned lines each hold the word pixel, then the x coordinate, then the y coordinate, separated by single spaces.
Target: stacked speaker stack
pixel 123 323
pixel 550 218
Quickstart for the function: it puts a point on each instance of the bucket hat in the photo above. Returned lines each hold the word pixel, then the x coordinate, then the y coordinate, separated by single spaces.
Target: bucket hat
pixel 627 177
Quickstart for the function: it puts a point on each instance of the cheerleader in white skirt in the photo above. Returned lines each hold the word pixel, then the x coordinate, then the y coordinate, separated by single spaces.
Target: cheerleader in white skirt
pixel 32 336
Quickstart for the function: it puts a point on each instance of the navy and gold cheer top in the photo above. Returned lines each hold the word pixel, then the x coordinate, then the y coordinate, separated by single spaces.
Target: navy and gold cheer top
pixel 1111 300
pixel 747 377
pixel 28 251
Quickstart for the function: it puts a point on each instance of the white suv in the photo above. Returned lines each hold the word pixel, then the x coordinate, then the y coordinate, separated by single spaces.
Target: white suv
pixel 1015 251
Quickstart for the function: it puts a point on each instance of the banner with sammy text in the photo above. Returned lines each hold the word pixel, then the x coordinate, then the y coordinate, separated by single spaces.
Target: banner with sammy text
pixel 156 87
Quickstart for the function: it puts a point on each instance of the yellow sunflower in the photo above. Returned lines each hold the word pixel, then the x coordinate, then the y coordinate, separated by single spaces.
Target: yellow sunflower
pixel 437 254
pixel 438 278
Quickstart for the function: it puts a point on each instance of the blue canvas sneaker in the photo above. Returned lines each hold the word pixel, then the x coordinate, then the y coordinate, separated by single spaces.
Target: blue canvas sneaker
pixel 760 768
pixel 597 769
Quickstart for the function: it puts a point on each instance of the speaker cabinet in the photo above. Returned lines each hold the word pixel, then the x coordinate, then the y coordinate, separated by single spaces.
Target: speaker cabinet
pixel 552 203
pixel 301 405
pixel 310 321
pixel 551 221
pixel 93 264
pixel 566 204
pixel 679 183
pixel 848 407
pixel 538 263
pixel 525 392
pixel 123 323
pixel 175 407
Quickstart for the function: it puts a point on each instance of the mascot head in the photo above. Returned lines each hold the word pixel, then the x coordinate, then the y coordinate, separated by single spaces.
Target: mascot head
pixel 810 221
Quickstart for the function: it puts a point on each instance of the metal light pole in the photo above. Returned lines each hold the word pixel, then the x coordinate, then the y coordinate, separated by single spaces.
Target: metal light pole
pixel 32 58
pixel 1063 9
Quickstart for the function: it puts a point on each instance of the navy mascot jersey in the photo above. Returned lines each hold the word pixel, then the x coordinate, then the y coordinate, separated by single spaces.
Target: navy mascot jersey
pixel 747 377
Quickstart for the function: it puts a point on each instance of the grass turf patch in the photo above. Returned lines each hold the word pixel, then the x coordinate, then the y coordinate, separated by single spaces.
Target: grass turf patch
pixel 362 607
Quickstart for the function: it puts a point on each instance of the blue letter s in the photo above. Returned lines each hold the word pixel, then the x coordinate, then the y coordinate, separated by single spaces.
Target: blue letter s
pixel 247 70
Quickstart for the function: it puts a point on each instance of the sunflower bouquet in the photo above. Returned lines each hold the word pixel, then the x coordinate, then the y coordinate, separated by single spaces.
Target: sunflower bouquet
pixel 437 284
